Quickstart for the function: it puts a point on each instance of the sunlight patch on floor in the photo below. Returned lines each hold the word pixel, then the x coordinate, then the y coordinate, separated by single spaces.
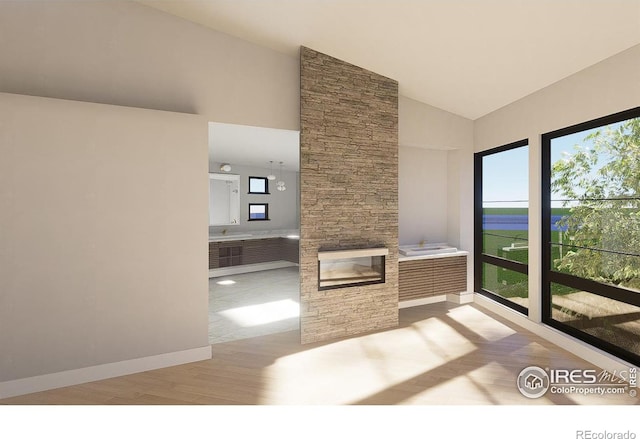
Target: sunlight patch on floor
pixel 534 349
pixel 491 377
pixel 452 391
pixel 476 321
pixel 261 314
pixel 441 338
pixel 226 282
pixel 388 358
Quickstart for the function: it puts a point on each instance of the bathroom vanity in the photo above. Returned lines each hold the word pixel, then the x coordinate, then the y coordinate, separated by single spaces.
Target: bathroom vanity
pixel 432 276
pixel 253 248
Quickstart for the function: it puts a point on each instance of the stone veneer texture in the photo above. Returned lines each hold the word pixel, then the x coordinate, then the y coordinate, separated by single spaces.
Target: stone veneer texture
pixel 348 193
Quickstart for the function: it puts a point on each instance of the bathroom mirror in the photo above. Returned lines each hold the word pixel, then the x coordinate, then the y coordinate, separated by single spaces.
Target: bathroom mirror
pixel 224 199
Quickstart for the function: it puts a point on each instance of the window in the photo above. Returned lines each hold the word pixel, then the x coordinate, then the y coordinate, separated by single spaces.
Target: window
pixel 591 232
pixel 258 185
pixel 258 212
pixel 502 225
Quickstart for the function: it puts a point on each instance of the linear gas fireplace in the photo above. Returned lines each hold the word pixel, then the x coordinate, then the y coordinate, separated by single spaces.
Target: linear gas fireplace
pixel 350 268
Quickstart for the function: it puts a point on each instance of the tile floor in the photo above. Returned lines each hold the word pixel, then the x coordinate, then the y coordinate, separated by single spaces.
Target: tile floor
pixel 253 304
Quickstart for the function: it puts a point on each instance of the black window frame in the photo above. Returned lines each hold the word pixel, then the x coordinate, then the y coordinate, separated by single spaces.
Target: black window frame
pixel 266 186
pixel 548 275
pixel 266 212
pixel 479 256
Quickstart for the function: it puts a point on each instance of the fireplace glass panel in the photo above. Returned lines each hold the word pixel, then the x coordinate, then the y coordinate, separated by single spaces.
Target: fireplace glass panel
pixel 352 271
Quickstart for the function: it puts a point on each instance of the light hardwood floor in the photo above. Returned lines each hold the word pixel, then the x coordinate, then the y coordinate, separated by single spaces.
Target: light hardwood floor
pixel 440 354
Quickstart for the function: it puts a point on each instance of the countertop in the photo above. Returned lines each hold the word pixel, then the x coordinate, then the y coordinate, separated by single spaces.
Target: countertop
pixel 436 256
pixel 291 234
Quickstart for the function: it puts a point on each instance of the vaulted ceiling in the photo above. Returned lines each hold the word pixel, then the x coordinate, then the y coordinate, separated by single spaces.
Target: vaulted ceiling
pixel 469 57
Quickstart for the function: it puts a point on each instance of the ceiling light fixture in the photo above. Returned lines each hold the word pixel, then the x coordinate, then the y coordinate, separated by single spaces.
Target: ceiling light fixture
pixel 226 167
pixel 271 176
pixel 280 183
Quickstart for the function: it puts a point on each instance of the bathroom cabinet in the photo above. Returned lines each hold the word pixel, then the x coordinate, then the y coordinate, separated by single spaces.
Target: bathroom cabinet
pixel 434 276
pixel 252 251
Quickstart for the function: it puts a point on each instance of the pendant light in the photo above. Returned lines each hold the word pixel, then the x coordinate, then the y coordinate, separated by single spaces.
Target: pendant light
pixel 280 183
pixel 271 177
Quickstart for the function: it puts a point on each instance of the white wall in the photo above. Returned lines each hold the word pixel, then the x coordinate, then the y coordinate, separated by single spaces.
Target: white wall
pixel 422 195
pixel 608 87
pixel 283 206
pixel 453 197
pixel 424 126
pixel 125 53
pixel 604 88
pixel 103 234
pixel 432 142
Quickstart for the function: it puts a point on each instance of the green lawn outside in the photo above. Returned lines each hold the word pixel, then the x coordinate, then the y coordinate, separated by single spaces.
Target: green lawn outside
pixel 512 245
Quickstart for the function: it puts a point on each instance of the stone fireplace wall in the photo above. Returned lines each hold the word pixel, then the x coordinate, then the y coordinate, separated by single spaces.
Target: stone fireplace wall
pixel 348 193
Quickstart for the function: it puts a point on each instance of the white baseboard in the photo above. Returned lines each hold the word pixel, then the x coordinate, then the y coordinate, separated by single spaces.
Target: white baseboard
pixel 577 347
pixel 420 302
pixel 249 268
pixel 66 378
pixel 465 297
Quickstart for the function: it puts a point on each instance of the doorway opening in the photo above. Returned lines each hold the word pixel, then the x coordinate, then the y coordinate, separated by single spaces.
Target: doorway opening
pixel 254 279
